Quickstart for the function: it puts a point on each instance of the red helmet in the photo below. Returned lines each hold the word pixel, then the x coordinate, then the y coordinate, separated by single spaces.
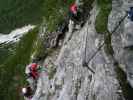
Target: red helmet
pixel 73 8
pixel 33 66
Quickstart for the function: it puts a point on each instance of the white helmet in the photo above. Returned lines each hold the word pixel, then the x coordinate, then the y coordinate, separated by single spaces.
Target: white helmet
pixel 24 90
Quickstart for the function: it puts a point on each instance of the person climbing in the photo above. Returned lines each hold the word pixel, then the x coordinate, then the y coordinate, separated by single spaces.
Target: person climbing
pixel 73 12
pixel 32 70
pixel 32 74
pixel 27 92
pixel 130 13
pixel 76 12
pixel 73 20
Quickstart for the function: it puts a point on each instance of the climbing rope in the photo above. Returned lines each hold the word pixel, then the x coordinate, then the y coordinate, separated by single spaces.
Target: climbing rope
pixel 86 63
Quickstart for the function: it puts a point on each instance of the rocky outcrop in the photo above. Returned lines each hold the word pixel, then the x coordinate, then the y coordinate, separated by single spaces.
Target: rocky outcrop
pixel 122 40
pixel 85 72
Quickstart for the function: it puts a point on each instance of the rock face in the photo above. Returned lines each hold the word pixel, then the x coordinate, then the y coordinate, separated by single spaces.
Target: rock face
pixel 122 40
pixel 98 79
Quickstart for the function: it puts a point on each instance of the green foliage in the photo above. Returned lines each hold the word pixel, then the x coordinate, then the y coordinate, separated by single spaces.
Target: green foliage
pixel 17 13
pixel 103 2
pixel 55 12
pixel 39 51
pixel 102 17
pixel 102 21
pixel 12 71
pixel 5 51
pixel 88 4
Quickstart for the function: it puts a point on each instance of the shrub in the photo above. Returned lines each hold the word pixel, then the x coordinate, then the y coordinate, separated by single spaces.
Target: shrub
pixel 102 17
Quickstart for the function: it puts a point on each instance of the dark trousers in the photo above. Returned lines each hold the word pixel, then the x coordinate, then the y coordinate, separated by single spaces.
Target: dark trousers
pixel 75 17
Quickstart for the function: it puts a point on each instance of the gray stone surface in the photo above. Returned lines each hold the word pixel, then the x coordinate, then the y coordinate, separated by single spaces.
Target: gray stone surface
pixel 123 37
pixel 72 81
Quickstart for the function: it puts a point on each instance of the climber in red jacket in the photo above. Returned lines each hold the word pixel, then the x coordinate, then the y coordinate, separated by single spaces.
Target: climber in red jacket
pixel 73 11
pixel 32 70
pixel 73 8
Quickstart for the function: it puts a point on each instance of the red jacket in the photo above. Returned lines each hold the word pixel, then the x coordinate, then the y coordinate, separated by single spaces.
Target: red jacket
pixel 34 71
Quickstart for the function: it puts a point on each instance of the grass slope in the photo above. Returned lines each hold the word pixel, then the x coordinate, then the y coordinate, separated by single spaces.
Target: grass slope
pixel 55 12
pixel 17 13
pixel 102 18
pixel 12 71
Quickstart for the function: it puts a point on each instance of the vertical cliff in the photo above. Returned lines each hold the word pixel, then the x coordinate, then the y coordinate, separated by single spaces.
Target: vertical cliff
pixel 85 67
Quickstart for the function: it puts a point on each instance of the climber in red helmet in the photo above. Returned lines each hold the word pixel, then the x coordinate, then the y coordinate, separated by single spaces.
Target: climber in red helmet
pixel 73 12
pixel 33 70
pixel 73 8
pixel 32 74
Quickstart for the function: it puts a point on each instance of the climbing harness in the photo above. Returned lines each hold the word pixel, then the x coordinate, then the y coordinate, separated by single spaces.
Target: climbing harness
pixel 86 63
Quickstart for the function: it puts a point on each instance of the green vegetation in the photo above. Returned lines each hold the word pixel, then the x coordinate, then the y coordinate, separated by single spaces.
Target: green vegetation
pixel 125 86
pixel 55 12
pixel 17 13
pixel 105 7
pixel 39 50
pixel 12 71
pixel 5 51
